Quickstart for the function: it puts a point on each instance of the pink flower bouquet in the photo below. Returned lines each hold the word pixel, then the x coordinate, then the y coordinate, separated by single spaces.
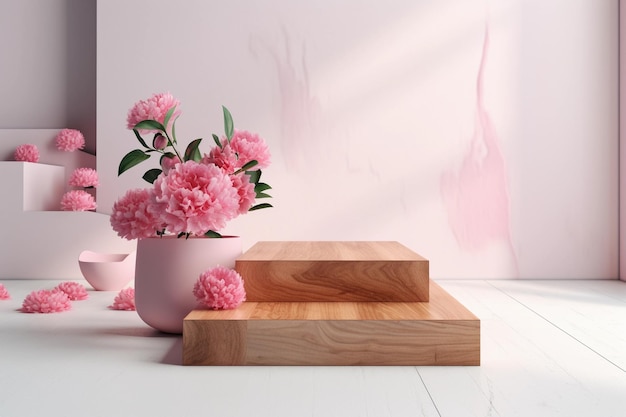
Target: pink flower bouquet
pixel 192 194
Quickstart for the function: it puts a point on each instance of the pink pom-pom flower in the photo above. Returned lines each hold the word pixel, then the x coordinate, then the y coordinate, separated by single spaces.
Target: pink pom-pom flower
pixel 69 140
pixel 197 198
pixel 4 294
pixel 84 177
pixel 250 146
pixel 135 216
pixel 46 301
pixel 77 200
pixel 26 153
pixel 124 300
pixel 220 288
pixel 154 108
pixel 74 290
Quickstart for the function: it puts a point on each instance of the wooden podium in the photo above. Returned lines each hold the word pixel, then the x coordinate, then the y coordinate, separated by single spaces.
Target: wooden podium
pixel 334 303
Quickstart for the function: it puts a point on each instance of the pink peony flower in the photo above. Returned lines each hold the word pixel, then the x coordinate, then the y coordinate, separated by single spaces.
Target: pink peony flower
pixel 250 146
pixel 196 198
pixel 245 190
pixel 84 177
pixel 135 215
pixel 26 153
pixel 74 290
pixel 220 288
pixel 77 200
pixel 124 300
pixel 154 108
pixel 4 294
pixel 69 140
pixel 224 157
pixel 46 301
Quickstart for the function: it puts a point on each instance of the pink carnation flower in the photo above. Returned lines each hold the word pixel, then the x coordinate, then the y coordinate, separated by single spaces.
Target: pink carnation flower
pixel 84 177
pixel 74 290
pixel 135 215
pixel 4 294
pixel 224 157
pixel 245 190
pixel 196 198
pixel 154 108
pixel 46 301
pixel 26 153
pixel 69 140
pixel 124 300
pixel 251 146
pixel 220 288
pixel 77 200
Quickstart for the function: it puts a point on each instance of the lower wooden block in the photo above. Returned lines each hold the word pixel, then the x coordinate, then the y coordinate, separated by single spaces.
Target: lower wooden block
pixel 439 332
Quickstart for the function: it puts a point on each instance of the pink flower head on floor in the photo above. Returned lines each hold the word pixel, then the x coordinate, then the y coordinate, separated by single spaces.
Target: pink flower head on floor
pixel 84 177
pixel 220 288
pixel 69 140
pixel 124 300
pixel 74 290
pixel 4 294
pixel 77 200
pixel 26 153
pixel 46 301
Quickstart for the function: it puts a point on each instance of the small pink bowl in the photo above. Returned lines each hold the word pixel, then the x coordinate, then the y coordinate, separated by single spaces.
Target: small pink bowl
pixel 107 271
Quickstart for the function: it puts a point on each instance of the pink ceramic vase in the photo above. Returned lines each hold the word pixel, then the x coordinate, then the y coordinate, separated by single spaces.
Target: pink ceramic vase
pixel 166 271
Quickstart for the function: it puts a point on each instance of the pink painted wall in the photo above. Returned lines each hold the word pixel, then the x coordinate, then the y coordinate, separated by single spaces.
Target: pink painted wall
pixel 482 134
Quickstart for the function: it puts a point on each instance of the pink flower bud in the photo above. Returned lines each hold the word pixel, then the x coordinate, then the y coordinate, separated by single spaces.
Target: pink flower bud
pixel 159 142
pixel 169 162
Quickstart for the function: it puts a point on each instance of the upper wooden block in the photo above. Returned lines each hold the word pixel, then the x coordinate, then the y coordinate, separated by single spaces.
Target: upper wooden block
pixel 333 271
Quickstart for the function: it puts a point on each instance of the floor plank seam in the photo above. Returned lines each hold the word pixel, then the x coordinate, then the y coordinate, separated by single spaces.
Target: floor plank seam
pixel 557 327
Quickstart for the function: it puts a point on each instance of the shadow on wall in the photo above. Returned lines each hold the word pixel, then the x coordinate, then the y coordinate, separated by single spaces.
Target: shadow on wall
pixel 48 66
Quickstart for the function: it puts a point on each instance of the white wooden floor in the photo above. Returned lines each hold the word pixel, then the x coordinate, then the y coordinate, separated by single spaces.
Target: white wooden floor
pixel 549 348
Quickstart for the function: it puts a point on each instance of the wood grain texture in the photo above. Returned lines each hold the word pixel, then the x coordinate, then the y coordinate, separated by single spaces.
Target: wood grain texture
pixel 333 271
pixel 439 332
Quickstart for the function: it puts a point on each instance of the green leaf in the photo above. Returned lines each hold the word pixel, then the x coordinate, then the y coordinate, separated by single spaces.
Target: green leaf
pixel 173 133
pixel 192 152
pixel 261 186
pixel 212 233
pixel 260 206
pixel 217 141
pixel 150 125
pixel 246 167
pixel 263 195
pixel 229 127
pixel 140 139
pixel 168 116
pixel 255 176
pixel 131 159
pixel 249 165
pixel 151 175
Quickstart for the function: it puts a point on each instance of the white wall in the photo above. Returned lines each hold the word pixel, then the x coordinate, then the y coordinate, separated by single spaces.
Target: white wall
pixel 378 128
